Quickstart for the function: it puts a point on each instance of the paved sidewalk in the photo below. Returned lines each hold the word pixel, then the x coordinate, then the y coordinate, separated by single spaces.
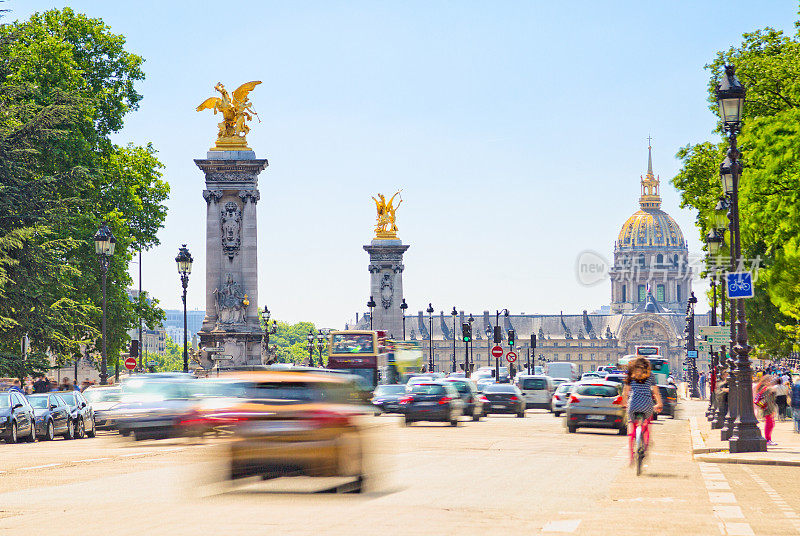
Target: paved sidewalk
pixel 707 446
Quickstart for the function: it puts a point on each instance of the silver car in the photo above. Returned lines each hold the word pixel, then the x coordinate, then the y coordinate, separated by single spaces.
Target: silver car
pixel 596 404
pixel 560 398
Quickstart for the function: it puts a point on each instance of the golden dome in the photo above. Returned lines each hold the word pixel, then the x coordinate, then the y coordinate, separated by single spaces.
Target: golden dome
pixel 650 227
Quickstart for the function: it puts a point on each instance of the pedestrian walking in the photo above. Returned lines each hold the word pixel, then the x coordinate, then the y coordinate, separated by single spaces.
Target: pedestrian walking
pixel 702 385
pixel 765 402
pixel 781 396
pixel 795 402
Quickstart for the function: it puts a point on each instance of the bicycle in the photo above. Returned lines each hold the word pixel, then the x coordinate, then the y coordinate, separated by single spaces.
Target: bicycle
pixel 640 421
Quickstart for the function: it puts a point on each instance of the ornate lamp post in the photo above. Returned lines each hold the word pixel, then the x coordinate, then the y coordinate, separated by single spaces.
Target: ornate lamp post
pixel 745 435
pixel 471 362
pixel 497 359
pixel 454 313
pixel 310 347
pixel 429 310
pixel 321 345
pixel 714 243
pixel 184 261
pixel 403 307
pixel 371 305
pixel 104 243
pixel 270 328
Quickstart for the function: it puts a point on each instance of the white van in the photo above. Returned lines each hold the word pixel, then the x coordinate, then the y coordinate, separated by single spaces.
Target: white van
pixel 536 390
pixel 562 369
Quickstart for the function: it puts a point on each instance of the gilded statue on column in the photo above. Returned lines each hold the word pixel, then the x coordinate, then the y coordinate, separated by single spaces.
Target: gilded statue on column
pixel 386 224
pixel 236 110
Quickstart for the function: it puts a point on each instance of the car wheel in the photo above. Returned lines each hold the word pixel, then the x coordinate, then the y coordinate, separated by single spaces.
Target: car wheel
pixel 572 428
pixel 623 430
pixel 70 433
pixel 476 416
pixel 408 421
pixel 32 435
pixel 521 415
pixel 557 413
pixel 93 432
pixel 655 416
pixel 50 432
pixel 80 431
pixel 12 436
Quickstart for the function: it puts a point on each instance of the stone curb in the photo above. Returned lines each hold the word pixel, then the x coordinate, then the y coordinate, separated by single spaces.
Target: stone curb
pixel 698 443
pixel 710 458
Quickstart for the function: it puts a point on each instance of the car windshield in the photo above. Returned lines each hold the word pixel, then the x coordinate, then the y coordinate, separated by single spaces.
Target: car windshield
pixel 288 392
pixel 141 390
pixel 390 389
pixel 499 388
pixel 352 343
pixel 461 387
pixel 38 402
pixel 615 378
pixel 69 398
pixel 5 400
pixel 102 395
pixel 534 383
pixel 564 387
pixel 596 390
pixel 428 389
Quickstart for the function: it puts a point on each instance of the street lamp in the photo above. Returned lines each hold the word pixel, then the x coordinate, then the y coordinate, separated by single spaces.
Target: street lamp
pixel 471 321
pixel 310 347
pixel 184 261
pixel 403 307
pixel 497 359
pixel 429 310
pixel 714 242
pixel 321 339
pixel 371 305
pixel 745 435
pixel 270 328
pixel 690 347
pixel 104 243
pixel 454 313
pixel 488 332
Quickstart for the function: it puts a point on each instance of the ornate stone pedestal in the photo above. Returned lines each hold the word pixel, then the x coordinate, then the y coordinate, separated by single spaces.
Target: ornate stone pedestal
pixel 231 196
pixel 386 285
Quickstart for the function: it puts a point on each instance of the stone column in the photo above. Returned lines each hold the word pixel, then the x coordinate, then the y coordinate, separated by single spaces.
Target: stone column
pixel 386 284
pixel 213 267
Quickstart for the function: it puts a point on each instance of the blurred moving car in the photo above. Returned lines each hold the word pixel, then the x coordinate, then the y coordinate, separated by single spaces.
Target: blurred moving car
pixel 53 416
pixel 596 404
pixel 432 401
pixel 104 401
pixel 289 424
pixel 17 419
pixel 616 378
pixel 386 398
pixel 503 398
pixel 669 398
pixel 559 381
pixel 468 391
pixel 587 376
pixel 536 390
pixel 152 405
pixel 481 384
pixel 81 413
pixel 561 398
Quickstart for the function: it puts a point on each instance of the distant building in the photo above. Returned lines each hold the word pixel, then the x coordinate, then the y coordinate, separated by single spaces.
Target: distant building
pixel 174 323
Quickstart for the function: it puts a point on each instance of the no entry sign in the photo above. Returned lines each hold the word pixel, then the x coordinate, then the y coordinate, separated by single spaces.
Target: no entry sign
pixel 497 351
pixel 511 357
pixel 130 363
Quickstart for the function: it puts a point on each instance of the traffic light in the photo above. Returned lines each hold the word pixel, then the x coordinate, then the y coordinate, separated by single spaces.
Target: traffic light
pixel 533 342
pixel 511 337
pixel 498 334
pixel 134 348
pixel 466 331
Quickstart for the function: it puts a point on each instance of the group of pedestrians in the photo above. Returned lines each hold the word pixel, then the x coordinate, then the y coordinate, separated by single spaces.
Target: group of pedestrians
pixel 42 384
pixel 777 395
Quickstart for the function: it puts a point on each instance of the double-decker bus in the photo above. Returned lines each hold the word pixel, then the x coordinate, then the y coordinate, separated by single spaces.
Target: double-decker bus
pixel 659 364
pixel 403 359
pixel 358 352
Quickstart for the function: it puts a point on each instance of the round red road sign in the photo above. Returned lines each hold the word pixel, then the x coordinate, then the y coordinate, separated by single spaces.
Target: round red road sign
pixel 511 357
pixel 130 363
pixel 497 351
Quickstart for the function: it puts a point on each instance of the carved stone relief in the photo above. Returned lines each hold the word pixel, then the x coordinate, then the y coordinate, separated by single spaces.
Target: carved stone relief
pixel 231 223
pixel 387 291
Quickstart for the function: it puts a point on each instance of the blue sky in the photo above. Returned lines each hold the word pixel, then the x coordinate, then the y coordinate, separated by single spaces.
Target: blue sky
pixel 517 131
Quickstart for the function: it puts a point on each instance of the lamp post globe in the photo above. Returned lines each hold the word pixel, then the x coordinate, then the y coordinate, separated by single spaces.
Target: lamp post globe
pixel 730 95
pixel 184 261
pixel 454 314
pixel 403 307
pixel 310 347
pixel 371 305
pixel 720 217
pixel 104 243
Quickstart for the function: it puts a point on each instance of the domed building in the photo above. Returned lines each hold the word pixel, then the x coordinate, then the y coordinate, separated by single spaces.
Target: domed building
pixel 650 256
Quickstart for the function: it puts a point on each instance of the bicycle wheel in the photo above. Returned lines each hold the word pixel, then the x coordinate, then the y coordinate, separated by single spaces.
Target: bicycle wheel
pixel 639 461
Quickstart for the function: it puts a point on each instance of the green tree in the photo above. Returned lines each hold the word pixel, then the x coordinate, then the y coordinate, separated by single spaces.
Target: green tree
pixel 66 83
pixel 768 64
pixel 291 340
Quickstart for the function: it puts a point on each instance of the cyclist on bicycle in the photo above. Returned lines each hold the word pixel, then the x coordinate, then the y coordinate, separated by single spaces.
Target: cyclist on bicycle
pixel 639 394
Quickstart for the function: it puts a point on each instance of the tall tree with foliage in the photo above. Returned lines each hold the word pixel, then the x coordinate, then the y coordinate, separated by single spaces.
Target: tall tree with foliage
pixel 66 84
pixel 768 64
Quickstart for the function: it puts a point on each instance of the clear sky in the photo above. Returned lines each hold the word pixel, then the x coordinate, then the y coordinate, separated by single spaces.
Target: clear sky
pixel 517 131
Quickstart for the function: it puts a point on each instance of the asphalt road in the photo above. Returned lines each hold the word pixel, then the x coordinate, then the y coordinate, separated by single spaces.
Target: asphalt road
pixel 502 475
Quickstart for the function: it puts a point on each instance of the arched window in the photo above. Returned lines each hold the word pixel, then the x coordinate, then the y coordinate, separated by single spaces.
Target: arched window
pixel 675 261
pixel 660 258
pixel 641 260
pixel 624 293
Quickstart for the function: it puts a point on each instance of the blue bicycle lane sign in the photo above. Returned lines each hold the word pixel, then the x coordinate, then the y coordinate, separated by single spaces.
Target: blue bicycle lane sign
pixel 740 284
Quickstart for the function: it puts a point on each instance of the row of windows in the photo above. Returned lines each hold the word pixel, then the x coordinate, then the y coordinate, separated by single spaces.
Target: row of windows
pixel 642 261
pixel 660 293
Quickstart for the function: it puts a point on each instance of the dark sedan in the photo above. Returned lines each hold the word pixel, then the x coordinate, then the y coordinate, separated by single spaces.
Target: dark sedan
pixel 81 412
pixel 52 416
pixel 386 398
pixel 468 391
pixel 669 398
pixel 432 401
pixel 17 419
pixel 503 398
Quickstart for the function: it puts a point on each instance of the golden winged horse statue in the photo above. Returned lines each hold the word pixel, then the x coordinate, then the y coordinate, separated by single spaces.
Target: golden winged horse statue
pixel 236 110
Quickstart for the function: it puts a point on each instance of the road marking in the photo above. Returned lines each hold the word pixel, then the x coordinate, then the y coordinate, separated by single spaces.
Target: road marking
pixel 38 467
pixel 728 512
pixel 711 484
pixel 720 497
pixel 564 525
pixel 91 460
pixel 715 480
pixel 135 454
pixel 739 529
pixel 790 514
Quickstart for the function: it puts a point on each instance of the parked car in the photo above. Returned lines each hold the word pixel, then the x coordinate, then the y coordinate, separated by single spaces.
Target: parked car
pixel 503 398
pixel 104 401
pixel 536 390
pixel 53 416
pixel 669 398
pixel 468 391
pixel 596 404
pixel 81 413
pixel 17 419
pixel 561 398
pixel 432 401
pixel 386 398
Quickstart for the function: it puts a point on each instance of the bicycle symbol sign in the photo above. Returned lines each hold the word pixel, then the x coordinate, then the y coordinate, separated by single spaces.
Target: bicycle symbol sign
pixel 740 285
